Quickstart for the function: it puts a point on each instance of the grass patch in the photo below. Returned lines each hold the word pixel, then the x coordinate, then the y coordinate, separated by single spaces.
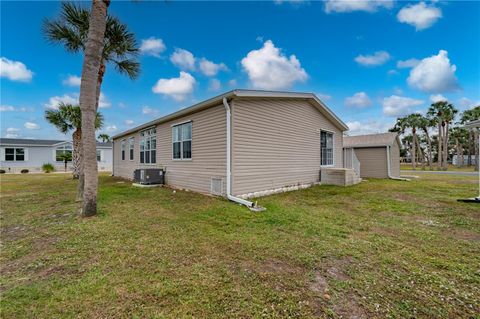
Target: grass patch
pixel 382 248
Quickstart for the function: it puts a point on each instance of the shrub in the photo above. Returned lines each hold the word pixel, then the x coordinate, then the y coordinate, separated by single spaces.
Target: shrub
pixel 48 168
pixel 2 171
pixel 24 171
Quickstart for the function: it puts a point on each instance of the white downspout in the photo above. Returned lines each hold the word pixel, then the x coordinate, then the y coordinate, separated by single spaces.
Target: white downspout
pixel 388 168
pixel 229 161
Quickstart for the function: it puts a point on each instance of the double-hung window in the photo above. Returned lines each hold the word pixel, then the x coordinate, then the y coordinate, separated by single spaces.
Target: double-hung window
pixel 123 150
pixel 14 154
pixel 148 146
pixel 326 148
pixel 99 155
pixel 182 141
pixel 131 147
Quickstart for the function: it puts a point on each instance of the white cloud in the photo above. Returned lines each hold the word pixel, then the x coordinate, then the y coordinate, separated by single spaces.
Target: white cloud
pixel 378 58
pixel 183 59
pixel 434 74
pixel 129 122
pixel 111 128
pixel 398 105
pixel 177 88
pixel 147 110
pixel 7 108
pixel 420 15
pixel 466 103
pixel 406 64
pixel 14 70
pixel 55 101
pixel 437 98
pixel 232 82
pixel 210 68
pixel 152 46
pixel 368 127
pixel 269 69
pixel 103 102
pixel 31 126
pixel 11 135
pixel 214 85
pixel 323 97
pixel 358 100
pixel 72 80
pixel 13 130
pixel 392 72
pixel 356 5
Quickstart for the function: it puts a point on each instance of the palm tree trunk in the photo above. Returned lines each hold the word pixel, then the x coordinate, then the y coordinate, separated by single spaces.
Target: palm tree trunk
pixel 470 148
pixel 445 147
pixel 429 141
pixel 76 156
pixel 439 154
pixel 413 153
pixel 88 93
pixel 475 137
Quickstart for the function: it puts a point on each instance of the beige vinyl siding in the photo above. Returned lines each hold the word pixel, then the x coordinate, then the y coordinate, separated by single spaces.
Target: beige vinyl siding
pixel 125 168
pixel 276 143
pixel 395 160
pixel 373 161
pixel 208 152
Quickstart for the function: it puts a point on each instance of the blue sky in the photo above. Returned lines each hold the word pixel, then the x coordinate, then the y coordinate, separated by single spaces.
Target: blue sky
pixel 369 61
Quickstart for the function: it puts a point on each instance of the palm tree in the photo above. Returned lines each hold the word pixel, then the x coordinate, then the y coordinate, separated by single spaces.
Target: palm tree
pixel 467 116
pixel 443 113
pixel 65 157
pixel 460 137
pixel 425 124
pixel 68 118
pixel 119 45
pixel 104 137
pixel 104 40
pixel 412 121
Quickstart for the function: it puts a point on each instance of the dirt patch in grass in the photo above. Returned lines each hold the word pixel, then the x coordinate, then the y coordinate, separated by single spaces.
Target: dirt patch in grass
pixel 464 234
pixel 343 303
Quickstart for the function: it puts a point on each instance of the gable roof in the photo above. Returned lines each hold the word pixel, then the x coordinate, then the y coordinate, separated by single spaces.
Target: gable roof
pixel 370 140
pixel 244 94
pixel 34 142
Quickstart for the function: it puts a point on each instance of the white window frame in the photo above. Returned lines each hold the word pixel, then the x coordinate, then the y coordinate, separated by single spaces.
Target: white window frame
pixel 143 140
pixel 15 154
pixel 101 155
pixel 122 150
pixel 180 124
pixel 131 148
pixel 333 148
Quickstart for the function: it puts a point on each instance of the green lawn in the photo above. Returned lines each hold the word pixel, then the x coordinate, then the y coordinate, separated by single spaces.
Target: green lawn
pixel 382 248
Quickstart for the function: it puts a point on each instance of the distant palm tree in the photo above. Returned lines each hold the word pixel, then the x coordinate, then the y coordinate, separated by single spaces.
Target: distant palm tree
pixel 69 118
pixel 467 116
pixel 442 113
pixel 104 137
pixel 65 157
pixel 412 121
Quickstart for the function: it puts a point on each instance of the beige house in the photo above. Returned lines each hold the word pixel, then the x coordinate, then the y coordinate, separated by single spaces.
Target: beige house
pixel 378 154
pixel 240 144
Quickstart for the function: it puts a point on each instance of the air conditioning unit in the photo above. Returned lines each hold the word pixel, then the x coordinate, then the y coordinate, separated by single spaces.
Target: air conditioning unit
pixel 149 176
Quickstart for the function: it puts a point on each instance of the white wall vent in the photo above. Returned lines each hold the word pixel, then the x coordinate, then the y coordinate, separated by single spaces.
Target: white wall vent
pixel 216 186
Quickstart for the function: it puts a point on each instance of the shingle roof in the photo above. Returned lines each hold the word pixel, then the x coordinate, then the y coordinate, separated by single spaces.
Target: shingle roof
pixel 243 93
pixel 34 142
pixel 25 141
pixel 370 140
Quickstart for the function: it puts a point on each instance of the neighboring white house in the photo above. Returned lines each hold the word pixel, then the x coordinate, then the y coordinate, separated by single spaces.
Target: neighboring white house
pixel 455 160
pixel 19 154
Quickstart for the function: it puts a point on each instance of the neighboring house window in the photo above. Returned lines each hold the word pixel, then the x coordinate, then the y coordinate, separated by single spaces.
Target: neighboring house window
pixel 326 148
pixel 182 141
pixel 123 150
pixel 131 146
pixel 99 155
pixel 148 146
pixel 14 154
pixel 61 150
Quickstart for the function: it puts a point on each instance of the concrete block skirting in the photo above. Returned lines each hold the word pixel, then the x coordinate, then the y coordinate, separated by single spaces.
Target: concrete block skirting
pixel 339 176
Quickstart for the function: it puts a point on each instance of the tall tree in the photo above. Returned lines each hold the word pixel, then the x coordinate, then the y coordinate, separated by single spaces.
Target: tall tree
pixel 104 137
pixel 467 116
pixel 68 118
pixel 92 62
pixel 413 122
pixel 425 124
pixel 442 113
pixel 460 138
pixel 119 46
